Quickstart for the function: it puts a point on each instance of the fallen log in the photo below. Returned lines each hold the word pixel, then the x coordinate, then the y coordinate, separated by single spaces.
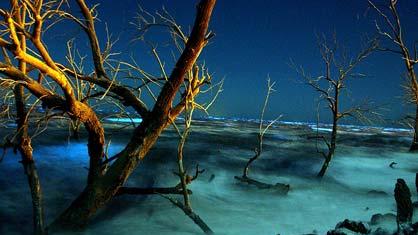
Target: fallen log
pixel 281 188
pixel 145 191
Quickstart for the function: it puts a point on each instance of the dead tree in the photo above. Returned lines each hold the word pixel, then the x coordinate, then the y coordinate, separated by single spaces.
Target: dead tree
pixel 394 33
pixel 262 129
pixel 191 89
pixel 330 87
pixel 105 178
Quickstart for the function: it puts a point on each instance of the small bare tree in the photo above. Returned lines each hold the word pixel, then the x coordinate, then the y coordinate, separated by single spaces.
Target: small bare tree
pixel 262 129
pixel 395 34
pixel 331 85
pixel 191 89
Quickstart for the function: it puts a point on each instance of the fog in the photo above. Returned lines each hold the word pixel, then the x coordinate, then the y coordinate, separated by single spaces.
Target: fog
pixel 359 182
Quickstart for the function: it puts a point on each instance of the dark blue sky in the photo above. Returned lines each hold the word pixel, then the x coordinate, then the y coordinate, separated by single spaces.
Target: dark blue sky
pixel 257 38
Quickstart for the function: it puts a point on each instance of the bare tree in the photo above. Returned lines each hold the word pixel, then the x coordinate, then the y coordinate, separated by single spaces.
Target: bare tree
pixel 52 83
pixel 262 129
pixel 191 104
pixel 330 87
pixel 395 34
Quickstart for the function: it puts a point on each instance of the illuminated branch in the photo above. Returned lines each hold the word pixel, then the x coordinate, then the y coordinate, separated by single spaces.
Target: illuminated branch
pixel 94 42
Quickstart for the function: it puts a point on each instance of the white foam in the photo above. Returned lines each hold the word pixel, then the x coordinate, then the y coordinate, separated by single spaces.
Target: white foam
pixel 124 120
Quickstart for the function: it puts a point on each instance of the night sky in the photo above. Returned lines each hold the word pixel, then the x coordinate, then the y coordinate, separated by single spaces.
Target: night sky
pixel 259 38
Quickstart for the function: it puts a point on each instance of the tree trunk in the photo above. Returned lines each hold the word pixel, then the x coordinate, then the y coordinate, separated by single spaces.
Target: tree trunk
pixel 25 149
pixel 331 150
pixel 36 193
pixel 101 189
pixel 324 168
pixel 414 145
pixel 330 155
pixel 257 154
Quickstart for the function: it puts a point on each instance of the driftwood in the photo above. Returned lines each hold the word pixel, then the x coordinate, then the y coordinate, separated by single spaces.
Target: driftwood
pixel 281 188
pixel 145 191
pixel 403 204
